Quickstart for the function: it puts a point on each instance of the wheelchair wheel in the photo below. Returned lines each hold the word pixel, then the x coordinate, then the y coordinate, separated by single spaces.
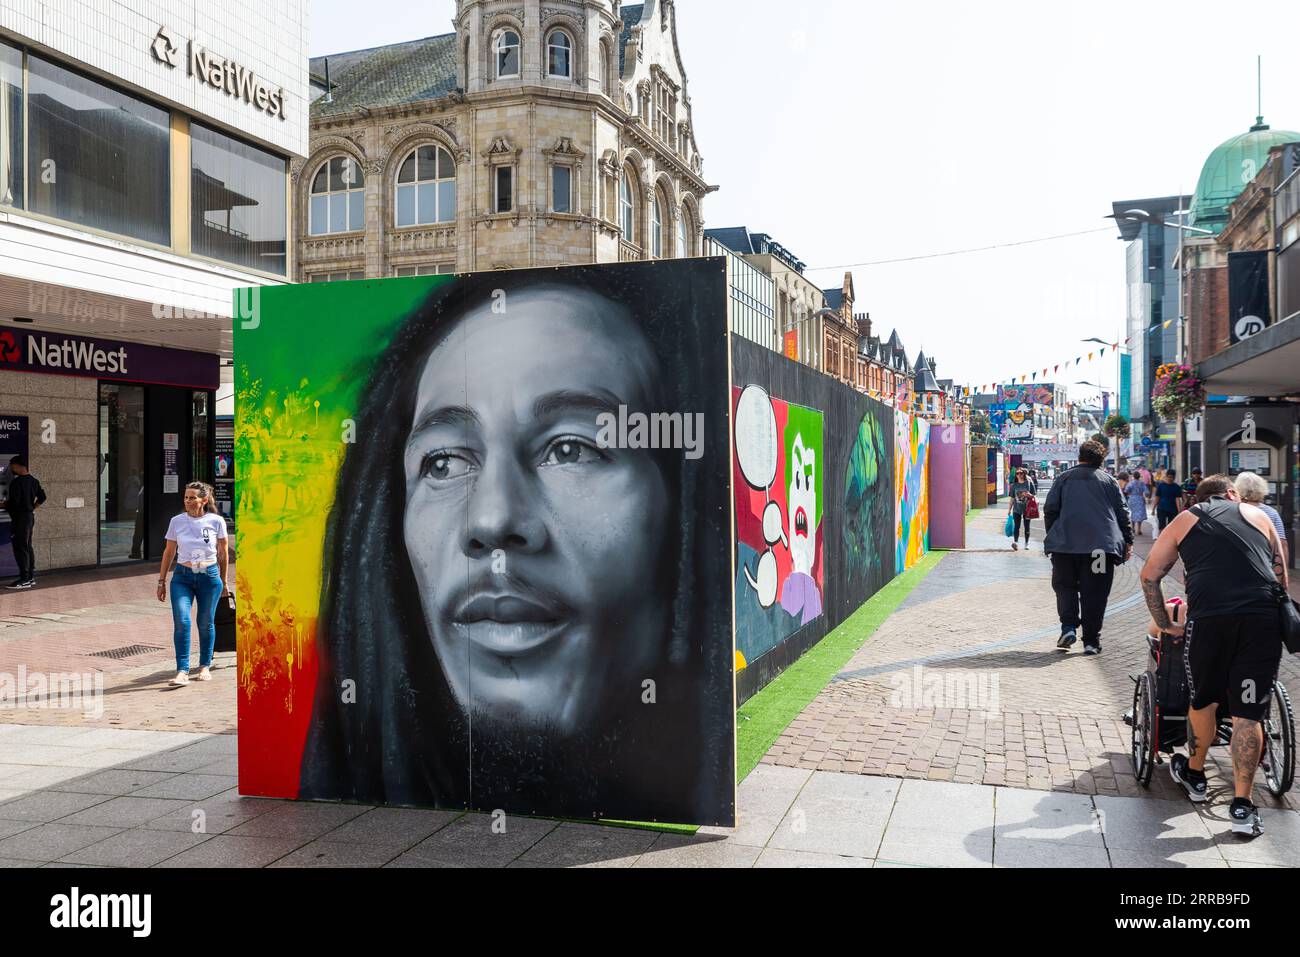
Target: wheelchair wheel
pixel 1144 729
pixel 1278 761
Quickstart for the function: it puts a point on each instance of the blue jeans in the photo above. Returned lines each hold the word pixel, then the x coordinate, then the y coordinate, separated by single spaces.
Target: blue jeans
pixel 187 586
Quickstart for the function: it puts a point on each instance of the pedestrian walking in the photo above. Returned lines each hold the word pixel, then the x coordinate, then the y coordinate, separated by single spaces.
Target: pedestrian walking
pixel 1232 642
pixel 1022 488
pixel 196 541
pixel 1190 486
pixel 1135 494
pixel 1169 498
pixel 25 496
pixel 1252 489
pixel 1088 533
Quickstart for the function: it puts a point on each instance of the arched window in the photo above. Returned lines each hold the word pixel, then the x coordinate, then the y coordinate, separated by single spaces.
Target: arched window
pixel 507 51
pixel 685 232
pixel 627 208
pixel 657 228
pixel 606 71
pixel 338 198
pixel 426 187
pixel 559 55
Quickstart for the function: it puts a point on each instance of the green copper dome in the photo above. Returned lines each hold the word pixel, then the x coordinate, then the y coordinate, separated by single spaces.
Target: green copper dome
pixel 1232 165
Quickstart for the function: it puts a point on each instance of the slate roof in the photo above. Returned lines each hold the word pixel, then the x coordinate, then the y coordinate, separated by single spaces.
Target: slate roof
pixel 834 298
pixel 631 16
pixel 735 238
pixel 389 75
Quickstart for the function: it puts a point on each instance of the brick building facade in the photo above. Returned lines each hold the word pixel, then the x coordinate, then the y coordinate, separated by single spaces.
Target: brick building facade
pixel 535 135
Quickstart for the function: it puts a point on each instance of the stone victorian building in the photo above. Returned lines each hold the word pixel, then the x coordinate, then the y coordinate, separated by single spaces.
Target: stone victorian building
pixel 540 133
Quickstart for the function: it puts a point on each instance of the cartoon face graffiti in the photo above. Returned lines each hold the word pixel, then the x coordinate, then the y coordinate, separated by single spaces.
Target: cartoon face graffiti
pixel 802 507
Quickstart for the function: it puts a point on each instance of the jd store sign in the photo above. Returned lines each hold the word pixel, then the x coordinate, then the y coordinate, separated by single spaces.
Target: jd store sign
pixel 220 73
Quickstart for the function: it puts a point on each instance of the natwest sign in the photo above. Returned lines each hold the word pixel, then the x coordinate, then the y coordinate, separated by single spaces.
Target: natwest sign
pixel 219 72
pixel 24 350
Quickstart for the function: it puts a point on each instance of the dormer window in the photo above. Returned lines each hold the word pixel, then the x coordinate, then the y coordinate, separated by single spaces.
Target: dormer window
pixel 507 52
pixel 559 55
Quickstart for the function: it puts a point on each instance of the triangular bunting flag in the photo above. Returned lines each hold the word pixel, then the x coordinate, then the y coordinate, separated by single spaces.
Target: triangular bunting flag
pixel 1168 323
pixel 1103 351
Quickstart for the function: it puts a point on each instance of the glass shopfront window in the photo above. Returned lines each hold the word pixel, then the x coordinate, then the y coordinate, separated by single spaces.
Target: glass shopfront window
pixel 237 193
pixel 96 156
pixel 121 473
pixel 11 126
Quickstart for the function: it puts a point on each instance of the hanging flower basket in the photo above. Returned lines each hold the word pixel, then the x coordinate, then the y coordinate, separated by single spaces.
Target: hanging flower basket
pixel 1178 391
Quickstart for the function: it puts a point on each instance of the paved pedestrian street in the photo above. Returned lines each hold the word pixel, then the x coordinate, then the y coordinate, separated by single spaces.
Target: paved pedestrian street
pixel 957 736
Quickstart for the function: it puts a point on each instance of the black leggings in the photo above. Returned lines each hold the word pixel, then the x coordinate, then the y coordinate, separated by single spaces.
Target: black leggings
pixel 1021 518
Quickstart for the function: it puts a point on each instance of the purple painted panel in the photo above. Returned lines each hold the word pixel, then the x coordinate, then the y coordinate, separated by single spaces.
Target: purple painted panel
pixel 948 486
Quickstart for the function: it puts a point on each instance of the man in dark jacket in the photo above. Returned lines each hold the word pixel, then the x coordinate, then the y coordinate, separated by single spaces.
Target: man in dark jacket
pixel 1088 534
pixel 24 498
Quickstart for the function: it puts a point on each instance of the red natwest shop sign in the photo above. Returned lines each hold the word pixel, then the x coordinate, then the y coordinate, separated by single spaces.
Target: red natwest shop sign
pixel 25 350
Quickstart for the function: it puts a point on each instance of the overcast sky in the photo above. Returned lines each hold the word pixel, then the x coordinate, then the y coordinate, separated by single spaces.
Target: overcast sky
pixel 862 131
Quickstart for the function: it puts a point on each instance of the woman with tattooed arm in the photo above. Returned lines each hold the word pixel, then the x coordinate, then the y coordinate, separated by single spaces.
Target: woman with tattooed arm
pixel 1232 644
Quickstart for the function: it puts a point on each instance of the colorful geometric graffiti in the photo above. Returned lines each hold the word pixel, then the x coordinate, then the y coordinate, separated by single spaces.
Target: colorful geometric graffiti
pixel 496 497
pixel 911 467
pixel 779 539
pixel 868 523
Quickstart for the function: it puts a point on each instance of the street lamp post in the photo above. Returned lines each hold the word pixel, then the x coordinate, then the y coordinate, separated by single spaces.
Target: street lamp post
pixel 1142 216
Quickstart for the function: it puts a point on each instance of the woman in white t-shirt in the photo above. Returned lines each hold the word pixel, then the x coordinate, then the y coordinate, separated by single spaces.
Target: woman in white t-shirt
pixel 196 540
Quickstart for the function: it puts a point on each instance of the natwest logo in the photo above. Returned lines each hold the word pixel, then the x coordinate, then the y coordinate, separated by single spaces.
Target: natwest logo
pixel 8 347
pixel 221 73
pixel 81 355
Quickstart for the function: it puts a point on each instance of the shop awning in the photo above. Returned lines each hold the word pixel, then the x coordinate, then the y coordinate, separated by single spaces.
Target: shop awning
pixel 1265 364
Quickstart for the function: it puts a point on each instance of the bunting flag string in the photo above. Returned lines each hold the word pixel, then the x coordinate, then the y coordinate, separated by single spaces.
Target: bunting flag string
pixel 1033 376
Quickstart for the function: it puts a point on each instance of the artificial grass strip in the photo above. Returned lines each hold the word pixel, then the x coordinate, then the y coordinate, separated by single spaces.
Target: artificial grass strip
pixel 760 721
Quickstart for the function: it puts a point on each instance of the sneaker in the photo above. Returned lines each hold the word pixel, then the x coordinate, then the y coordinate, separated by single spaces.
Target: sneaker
pixel 1193 782
pixel 204 675
pixel 1066 640
pixel 29 583
pixel 1245 818
pixel 17 583
pixel 1015 546
pixel 181 680
pixel 1092 647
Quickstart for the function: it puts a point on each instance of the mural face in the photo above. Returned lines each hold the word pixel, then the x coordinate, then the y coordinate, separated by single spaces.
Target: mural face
pixel 778 482
pixel 911 465
pixel 1013 412
pixel 515 489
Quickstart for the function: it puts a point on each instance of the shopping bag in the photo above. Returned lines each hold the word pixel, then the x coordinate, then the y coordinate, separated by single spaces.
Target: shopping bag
pixel 1010 528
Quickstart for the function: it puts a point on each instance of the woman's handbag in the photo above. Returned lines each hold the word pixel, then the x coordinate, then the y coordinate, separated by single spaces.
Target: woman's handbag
pixel 1010 528
pixel 1290 612
pixel 225 622
pixel 1031 507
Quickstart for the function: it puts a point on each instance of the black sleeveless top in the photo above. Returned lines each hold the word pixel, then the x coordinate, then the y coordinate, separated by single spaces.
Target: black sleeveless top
pixel 1220 580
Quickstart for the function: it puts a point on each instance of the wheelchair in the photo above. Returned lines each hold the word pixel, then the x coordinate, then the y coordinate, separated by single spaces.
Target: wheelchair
pixel 1161 698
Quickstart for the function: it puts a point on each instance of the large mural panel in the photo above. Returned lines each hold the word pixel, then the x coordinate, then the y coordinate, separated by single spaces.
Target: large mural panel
pixel 779 405
pixel 779 538
pixel 486 545
pixel 911 485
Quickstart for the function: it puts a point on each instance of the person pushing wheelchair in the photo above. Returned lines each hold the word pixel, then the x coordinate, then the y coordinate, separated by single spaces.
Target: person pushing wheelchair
pixel 1232 639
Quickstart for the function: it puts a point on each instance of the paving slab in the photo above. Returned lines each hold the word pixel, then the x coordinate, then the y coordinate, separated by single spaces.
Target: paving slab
pixel 128 811
pixel 1144 825
pixel 1047 854
pixel 223 850
pixel 470 841
pixel 777 857
pixel 45 806
pixel 586 845
pixel 215 815
pixel 187 786
pixel 335 854
pixel 391 826
pixel 1054 816
pixel 49 842
pixel 134 848
pixel 302 821
pixel 114 781
pixel 762 800
pixel 678 850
